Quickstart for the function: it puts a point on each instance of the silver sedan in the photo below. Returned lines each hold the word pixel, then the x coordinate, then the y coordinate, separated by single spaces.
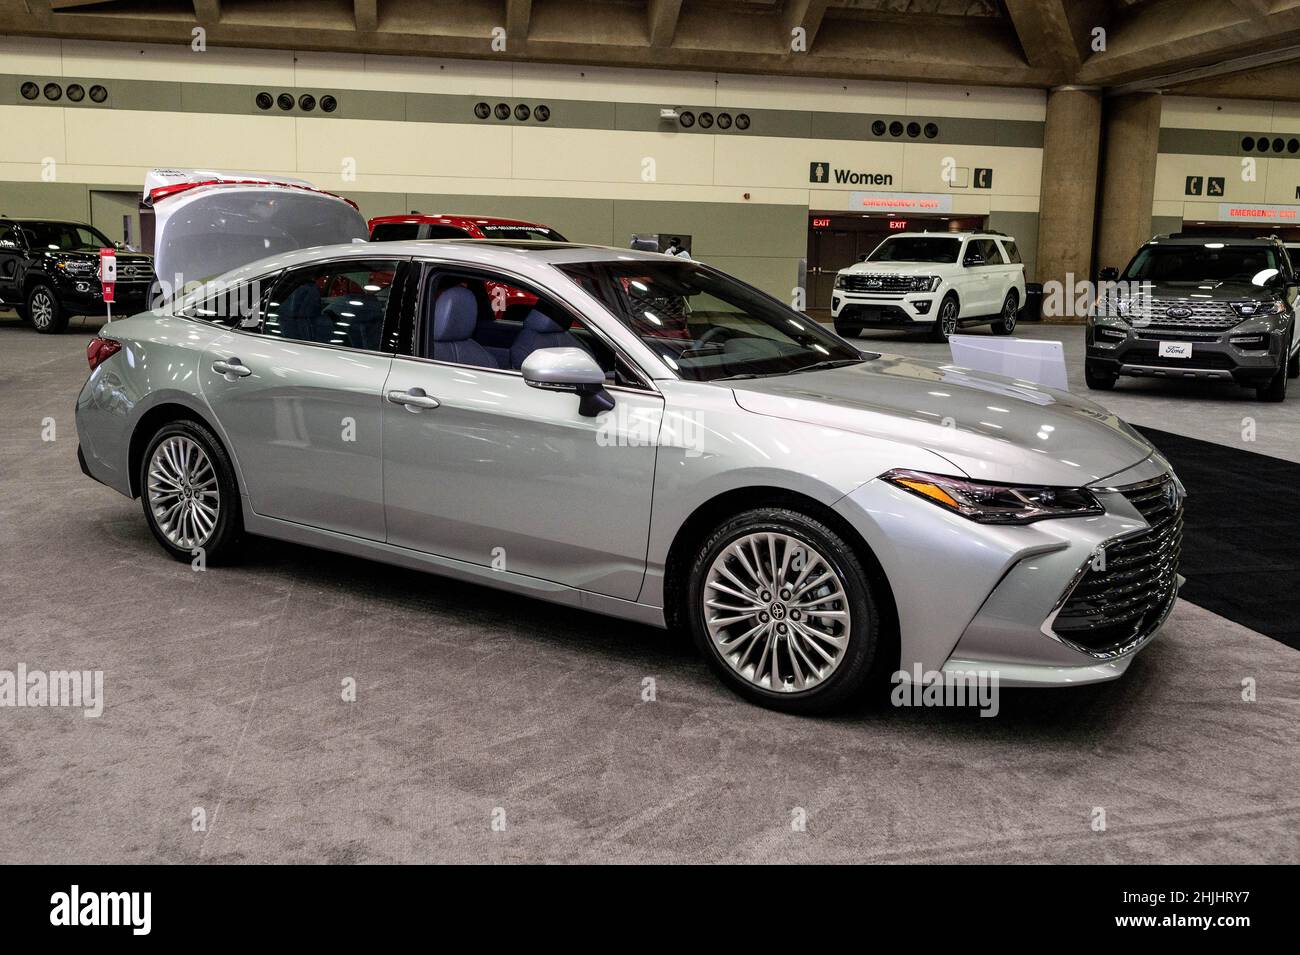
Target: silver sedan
pixel 648 438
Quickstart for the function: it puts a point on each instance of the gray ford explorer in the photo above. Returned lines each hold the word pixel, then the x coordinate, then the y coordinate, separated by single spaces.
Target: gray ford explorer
pixel 1199 306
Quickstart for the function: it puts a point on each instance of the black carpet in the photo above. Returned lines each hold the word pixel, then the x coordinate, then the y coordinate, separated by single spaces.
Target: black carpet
pixel 1241 550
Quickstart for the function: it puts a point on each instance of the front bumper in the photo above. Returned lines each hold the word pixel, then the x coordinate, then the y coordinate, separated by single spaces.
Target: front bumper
pixel 84 296
pixel 985 597
pixel 856 310
pixel 1214 356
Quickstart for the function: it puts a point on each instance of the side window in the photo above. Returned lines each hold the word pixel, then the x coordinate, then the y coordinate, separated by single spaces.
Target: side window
pixel 462 324
pixel 395 231
pixel 992 254
pixel 9 238
pixel 333 303
pixel 445 232
pixel 236 306
pixel 1012 251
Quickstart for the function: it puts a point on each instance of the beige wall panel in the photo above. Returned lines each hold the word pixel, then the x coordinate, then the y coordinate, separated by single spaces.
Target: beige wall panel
pixel 30 133
pixel 1016 171
pixel 53 200
pixel 775 276
pixel 411 149
pixel 820 95
pixel 783 163
pixel 29 54
pixel 930 99
pixel 607 84
pixel 1172 170
pixel 146 139
pixel 1194 112
pixel 406 74
pixel 1282 178
pixel 176 63
pixel 592 154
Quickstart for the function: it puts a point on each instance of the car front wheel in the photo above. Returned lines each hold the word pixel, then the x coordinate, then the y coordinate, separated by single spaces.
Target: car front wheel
pixel 946 321
pixel 1097 379
pixel 44 311
pixel 189 493
pixel 783 611
pixel 1275 390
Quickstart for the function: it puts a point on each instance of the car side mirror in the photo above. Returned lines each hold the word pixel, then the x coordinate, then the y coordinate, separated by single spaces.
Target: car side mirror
pixel 1109 274
pixel 572 370
pixel 973 258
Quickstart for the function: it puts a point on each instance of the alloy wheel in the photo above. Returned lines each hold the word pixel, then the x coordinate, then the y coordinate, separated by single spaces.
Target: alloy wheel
pixel 183 493
pixel 41 310
pixel 948 318
pixel 1009 314
pixel 777 612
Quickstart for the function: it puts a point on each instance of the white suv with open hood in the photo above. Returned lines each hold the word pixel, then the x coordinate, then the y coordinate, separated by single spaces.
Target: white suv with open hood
pixel 932 281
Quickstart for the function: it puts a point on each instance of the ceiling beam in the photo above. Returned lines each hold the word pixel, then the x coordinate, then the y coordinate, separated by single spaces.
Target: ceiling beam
pixel 366 15
pixel 1166 36
pixel 663 21
pixel 207 11
pixel 1253 8
pixel 807 14
pixel 519 14
pixel 1043 27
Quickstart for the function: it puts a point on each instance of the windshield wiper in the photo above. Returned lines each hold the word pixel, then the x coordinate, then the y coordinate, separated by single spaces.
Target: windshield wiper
pixel 828 363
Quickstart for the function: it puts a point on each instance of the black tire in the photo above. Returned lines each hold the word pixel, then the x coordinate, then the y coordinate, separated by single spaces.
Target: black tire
pixel 1005 323
pixel 949 309
pixel 855 667
pixel 1096 379
pixel 845 332
pixel 221 544
pixel 1275 390
pixel 44 312
pixel 1293 366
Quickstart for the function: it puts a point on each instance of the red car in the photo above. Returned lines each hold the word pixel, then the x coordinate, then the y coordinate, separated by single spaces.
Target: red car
pixel 419 226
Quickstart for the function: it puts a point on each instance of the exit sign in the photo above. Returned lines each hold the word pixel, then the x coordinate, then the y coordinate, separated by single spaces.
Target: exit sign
pixel 898 224
pixel 821 223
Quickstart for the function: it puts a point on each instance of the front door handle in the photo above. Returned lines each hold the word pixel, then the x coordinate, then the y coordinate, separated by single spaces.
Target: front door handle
pixel 232 368
pixel 415 400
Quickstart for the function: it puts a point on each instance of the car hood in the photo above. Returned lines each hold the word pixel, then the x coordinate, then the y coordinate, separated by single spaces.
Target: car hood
pixel 899 268
pixel 989 427
pixel 1212 290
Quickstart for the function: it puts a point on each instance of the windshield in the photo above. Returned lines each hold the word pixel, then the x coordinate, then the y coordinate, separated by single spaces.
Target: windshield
pixel 525 233
pixel 64 237
pixel 1208 262
pixel 916 248
pixel 706 326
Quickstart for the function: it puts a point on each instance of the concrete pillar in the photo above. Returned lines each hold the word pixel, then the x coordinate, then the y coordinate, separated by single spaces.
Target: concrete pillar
pixel 1068 194
pixel 1128 178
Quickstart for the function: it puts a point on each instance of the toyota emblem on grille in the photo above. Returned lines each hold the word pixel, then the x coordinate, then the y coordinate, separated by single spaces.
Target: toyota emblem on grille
pixel 1178 311
pixel 1171 494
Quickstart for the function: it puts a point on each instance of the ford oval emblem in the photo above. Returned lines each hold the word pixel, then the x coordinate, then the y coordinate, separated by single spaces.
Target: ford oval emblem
pixel 1178 311
pixel 874 283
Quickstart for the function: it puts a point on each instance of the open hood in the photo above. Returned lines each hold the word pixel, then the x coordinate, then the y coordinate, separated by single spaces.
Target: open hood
pixel 208 222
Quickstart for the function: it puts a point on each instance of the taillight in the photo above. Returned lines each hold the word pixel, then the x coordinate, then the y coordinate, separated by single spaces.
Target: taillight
pixel 100 350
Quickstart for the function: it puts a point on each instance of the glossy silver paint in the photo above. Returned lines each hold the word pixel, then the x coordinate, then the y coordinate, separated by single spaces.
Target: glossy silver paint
pixel 508 485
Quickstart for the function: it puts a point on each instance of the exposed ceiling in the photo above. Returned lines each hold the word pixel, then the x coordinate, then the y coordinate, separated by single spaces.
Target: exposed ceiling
pixel 1206 47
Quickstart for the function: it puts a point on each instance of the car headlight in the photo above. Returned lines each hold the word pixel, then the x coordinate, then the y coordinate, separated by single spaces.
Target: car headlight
pixel 925 283
pixel 1259 309
pixel 840 281
pixel 996 503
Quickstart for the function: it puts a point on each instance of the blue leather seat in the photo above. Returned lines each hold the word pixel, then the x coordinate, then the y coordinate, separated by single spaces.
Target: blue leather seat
pixel 455 315
pixel 539 331
pixel 299 315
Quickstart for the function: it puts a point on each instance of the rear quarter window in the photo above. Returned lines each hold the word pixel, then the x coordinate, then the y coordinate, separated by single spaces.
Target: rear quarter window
pixel 1013 253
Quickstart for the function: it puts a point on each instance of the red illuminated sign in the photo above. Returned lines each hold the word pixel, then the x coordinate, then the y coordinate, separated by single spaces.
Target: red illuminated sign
pixel 821 223
pixel 898 224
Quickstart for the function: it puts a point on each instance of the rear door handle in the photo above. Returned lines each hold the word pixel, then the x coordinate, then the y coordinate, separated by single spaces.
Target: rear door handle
pixel 414 400
pixel 232 368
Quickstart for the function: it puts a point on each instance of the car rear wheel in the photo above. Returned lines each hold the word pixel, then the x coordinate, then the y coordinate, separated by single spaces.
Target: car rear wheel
pixel 783 611
pixel 1275 390
pixel 946 321
pixel 44 312
pixel 189 493
pixel 1005 323
pixel 1097 379
pixel 1293 366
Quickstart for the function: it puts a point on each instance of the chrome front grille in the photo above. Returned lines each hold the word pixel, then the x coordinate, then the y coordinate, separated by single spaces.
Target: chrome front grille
pixel 1119 602
pixel 876 282
pixel 1152 312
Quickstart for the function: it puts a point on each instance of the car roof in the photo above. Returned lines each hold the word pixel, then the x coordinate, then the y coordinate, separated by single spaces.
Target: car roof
pixel 944 233
pixel 1225 236
pixel 86 225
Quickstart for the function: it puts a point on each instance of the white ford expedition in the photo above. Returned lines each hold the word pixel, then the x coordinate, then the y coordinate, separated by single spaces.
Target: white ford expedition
pixel 932 281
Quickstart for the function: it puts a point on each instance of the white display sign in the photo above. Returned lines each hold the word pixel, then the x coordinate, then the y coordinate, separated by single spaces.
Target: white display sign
pixel 1027 359
pixel 900 202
